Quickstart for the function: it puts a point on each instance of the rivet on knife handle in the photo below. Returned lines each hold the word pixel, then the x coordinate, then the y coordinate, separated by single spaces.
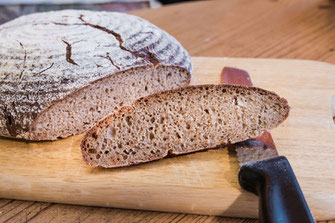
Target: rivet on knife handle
pixel 280 196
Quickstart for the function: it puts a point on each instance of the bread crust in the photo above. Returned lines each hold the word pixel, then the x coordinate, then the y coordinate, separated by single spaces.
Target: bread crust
pixel 72 50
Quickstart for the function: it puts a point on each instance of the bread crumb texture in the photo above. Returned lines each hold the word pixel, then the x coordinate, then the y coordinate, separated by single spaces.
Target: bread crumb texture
pixel 62 71
pixel 182 121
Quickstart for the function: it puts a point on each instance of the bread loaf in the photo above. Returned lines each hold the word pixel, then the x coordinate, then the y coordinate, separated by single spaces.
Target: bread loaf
pixel 60 72
pixel 182 121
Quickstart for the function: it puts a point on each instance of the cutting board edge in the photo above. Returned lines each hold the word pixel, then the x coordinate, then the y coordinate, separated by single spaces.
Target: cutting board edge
pixel 264 59
pixel 254 215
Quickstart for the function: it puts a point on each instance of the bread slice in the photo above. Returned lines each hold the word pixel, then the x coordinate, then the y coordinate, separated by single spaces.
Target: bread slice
pixel 62 71
pixel 182 121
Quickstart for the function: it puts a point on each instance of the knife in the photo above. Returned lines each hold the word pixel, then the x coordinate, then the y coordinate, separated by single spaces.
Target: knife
pixel 265 173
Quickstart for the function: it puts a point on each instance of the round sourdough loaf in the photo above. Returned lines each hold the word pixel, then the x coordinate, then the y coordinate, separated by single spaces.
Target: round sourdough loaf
pixel 60 72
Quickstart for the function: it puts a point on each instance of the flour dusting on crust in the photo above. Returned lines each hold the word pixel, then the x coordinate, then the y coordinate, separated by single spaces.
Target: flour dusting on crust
pixel 45 57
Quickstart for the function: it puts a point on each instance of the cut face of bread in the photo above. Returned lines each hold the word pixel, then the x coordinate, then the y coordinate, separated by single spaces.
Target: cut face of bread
pixel 182 121
pixel 62 71
pixel 79 111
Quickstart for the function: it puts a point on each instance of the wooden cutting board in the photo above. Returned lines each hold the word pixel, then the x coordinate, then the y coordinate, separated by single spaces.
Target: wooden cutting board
pixel 203 182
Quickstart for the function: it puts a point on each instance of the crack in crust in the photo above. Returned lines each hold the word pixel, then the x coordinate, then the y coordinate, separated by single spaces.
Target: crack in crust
pixel 45 69
pixel 63 24
pixel 6 76
pixel 24 59
pixel 69 53
pixel 110 59
pixel 21 74
pixel 150 57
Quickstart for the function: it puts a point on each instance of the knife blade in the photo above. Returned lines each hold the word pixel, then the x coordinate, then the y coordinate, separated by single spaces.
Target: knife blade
pixel 265 173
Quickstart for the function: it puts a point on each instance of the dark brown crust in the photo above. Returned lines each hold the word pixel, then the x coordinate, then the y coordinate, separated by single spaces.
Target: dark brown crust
pixel 165 93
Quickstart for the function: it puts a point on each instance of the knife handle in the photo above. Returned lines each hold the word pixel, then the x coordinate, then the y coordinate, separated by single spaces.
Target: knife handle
pixel 280 196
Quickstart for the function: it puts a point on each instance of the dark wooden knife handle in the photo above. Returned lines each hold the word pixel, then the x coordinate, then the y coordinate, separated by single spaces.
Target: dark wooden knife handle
pixel 280 196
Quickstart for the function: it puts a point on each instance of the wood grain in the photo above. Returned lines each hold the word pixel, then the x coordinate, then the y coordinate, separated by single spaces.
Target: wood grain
pixel 199 183
pixel 260 28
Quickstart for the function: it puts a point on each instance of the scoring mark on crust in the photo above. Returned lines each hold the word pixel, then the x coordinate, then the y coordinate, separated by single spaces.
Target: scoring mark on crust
pixel 110 59
pixel 45 69
pixel 148 55
pixel 111 32
pixel 69 53
pixel 24 59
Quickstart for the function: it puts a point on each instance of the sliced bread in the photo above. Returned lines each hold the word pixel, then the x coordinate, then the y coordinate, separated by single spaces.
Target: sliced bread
pixel 62 71
pixel 182 121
